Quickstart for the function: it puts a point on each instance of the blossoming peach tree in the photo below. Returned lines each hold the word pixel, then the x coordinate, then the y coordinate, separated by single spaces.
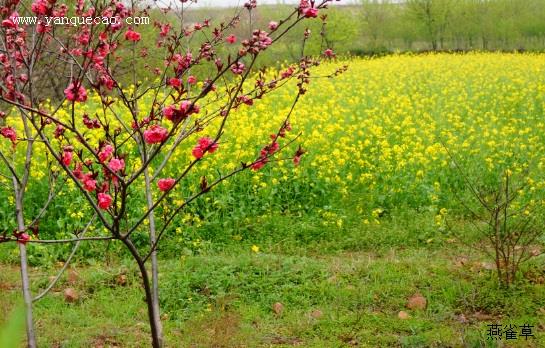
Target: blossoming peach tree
pixel 116 157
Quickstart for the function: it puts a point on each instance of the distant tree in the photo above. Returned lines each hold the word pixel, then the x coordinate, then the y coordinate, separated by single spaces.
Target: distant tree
pixel 452 24
pixel 433 17
pixel 483 11
pixel 341 29
pixel 376 17
pixel 533 26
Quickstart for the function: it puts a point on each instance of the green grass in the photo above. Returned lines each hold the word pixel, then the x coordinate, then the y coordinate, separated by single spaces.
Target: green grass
pixel 355 283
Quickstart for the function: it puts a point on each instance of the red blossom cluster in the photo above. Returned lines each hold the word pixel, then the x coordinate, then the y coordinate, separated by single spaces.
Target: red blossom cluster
pixel 13 55
pixel 307 9
pixel 238 68
pixel 270 149
pixel 111 164
pixel 176 114
pixel 104 200
pixel 155 134
pixel 40 7
pixel 203 146
pixel 259 42
pixel 75 92
pixel 11 21
pixel 132 35
pixel 9 133
pixel 90 123
pixel 67 157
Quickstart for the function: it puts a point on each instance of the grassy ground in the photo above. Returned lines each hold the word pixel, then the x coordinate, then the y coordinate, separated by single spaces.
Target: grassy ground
pixel 330 297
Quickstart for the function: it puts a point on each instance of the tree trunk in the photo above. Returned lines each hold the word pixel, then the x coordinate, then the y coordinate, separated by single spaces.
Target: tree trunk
pixel 25 282
pixel 154 264
pixel 155 340
pixel 31 338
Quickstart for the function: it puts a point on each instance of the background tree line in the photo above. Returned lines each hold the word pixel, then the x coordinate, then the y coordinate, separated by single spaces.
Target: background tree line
pixel 453 24
pixel 380 26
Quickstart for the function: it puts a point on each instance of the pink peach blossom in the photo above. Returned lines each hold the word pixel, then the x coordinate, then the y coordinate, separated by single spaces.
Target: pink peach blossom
pixel 155 134
pixel 117 164
pixel 165 184
pixel 75 93
pixel 9 133
pixel 104 201
pixel 231 39
pixel 132 35
pixel 105 153
pixel 67 158
pixel 89 184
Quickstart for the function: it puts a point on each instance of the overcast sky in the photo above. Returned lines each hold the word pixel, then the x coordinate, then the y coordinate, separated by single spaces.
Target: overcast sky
pixel 224 3
pixel 237 2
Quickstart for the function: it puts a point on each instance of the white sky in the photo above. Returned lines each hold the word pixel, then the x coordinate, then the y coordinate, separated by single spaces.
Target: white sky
pixel 224 3
pixel 217 3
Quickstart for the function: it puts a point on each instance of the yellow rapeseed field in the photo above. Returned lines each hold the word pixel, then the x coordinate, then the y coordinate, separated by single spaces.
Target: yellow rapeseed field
pixel 375 134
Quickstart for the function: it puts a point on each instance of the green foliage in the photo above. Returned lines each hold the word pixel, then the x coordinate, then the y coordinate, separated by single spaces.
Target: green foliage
pixel 452 25
pixel 11 332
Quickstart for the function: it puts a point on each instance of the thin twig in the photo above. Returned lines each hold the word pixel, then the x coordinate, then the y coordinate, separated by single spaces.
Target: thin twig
pixel 66 263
